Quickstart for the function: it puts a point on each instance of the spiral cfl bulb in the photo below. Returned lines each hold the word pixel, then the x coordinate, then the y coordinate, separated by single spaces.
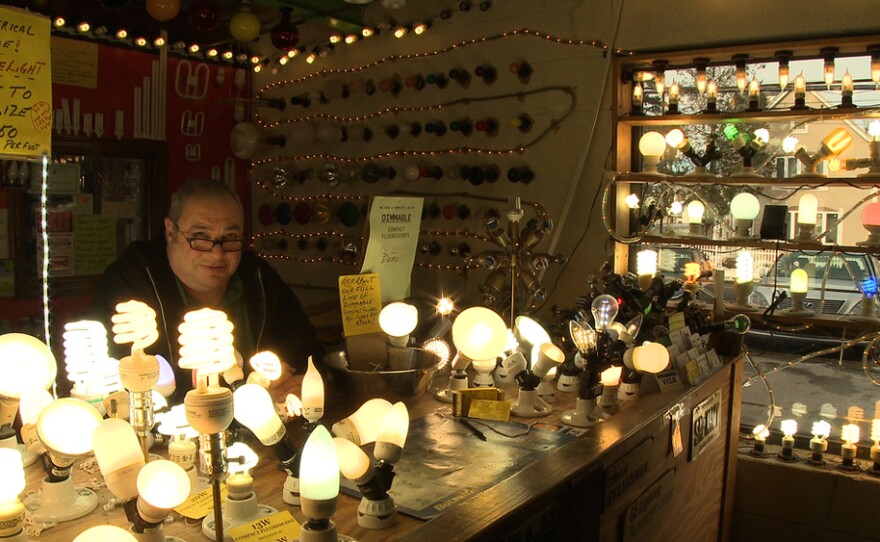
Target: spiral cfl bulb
pixel 267 365
pixel 135 323
pixel 821 430
pixel 241 458
pixel 86 355
pixel 206 342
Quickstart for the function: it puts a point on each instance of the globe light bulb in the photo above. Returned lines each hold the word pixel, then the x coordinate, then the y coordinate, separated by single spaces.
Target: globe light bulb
pixel 11 509
pixel 162 485
pixel 119 457
pixel 312 394
pixel 105 533
pixel 652 145
pixel 362 426
pixel 695 210
pixel 398 320
pixel 604 309
pixel 650 357
pixel 26 364
pixel 808 208
pixel 799 281
pixel 675 138
pixel 745 206
pixel 479 333
pixel 67 425
pixel 254 409
pixel 87 359
pixel 392 433
pixel 789 144
pixel 319 469
pixel 676 208
pixel 632 201
pixel 745 267
pixel 206 344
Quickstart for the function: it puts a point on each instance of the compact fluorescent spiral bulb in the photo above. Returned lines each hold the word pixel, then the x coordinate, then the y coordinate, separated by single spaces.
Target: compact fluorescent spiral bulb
pixel 206 345
pixel 135 323
pixel 87 360
pixel 266 368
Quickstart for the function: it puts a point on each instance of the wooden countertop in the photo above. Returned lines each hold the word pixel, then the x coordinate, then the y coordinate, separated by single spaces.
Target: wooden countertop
pixel 483 516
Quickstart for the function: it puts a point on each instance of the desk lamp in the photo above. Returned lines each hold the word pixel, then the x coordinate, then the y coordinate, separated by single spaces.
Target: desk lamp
pixel 819 442
pixel 584 338
pixel 162 485
pixel 320 487
pixel 27 365
pixel 65 427
pixel 479 334
pixel 206 347
pixel 266 368
pixel 362 426
pixel 11 508
pixel 241 502
pixel 87 360
pixel 833 144
pixel 105 533
pixel 528 404
pixel 135 323
pixel 181 445
pixel 398 320
pixel 377 510
pixel 254 409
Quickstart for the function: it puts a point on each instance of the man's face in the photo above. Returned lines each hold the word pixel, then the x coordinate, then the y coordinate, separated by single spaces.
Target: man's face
pixel 205 274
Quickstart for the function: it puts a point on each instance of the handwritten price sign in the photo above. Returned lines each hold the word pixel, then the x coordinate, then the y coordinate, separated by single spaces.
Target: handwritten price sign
pixel 25 84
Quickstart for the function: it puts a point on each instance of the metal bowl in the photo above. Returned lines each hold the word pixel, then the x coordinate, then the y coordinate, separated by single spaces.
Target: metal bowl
pixel 409 376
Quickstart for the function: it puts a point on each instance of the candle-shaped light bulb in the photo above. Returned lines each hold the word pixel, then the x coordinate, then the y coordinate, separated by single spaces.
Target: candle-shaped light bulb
pixel 582 335
pixel 846 84
pixel 711 91
pixel 312 394
pixel 319 475
pixel 674 94
pixel 744 267
pixel 783 74
pixel 695 210
pixel 354 463
pixel 800 90
pixel 604 309
pixel 828 71
pixel 660 82
pixel 808 209
pixel 392 433
pixel 398 320
pixel 701 79
pixel 362 426
pixel 875 68
pixel 253 408
pixel 754 90
pixel 741 81
pixel 637 96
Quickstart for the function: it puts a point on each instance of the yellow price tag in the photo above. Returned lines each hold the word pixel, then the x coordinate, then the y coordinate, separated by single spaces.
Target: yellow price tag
pixel 360 299
pixel 676 321
pixel 280 527
pixel 200 504
pixel 490 410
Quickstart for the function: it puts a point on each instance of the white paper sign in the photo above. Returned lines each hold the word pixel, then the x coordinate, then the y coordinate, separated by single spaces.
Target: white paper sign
pixel 391 248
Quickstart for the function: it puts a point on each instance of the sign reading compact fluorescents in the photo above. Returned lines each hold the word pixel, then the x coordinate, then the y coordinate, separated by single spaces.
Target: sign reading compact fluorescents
pixel 391 249
pixel 25 84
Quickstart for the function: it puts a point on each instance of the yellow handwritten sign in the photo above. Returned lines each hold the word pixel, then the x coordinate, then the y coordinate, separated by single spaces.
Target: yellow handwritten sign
pixel 94 243
pixel 200 504
pixel 25 84
pixel 280 527
pixel 360 299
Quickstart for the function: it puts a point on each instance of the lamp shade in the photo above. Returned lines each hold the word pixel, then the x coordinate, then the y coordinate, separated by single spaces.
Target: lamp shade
pixel 319 467
pixel 745 206
pixel 695 211
pixel 67 425
pixel 871 214
pixel 650 358
pixel 479 333
pixel 799 281
pixel 253 409
pixel 105 533
pixel 26 363
pixel 808 209
pixel 652 144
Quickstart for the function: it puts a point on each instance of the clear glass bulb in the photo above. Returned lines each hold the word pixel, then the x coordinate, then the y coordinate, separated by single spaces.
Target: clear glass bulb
pixel 319 467
pixel 784 74
pixel 26 364
pixel 163 484
pixel 604 309
pixel 800 85
pixel 67 425
pixel 253 408
pixel 479 333
pixel 354 463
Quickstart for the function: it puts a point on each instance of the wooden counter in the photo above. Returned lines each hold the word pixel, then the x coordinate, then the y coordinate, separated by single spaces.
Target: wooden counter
pixel 617 481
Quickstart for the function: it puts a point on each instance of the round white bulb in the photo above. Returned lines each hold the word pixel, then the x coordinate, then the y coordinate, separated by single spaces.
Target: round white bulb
pixel 398 319
pixel 253 408
pixel 789 144
pixel 762 135
pixel 675 138
pixel 479 333
pixel 652 144
pixel 319 467
pixel 241 458
pixel 12 474
pixel 874 128
pixel 354 463
pixel 695 211
pixel 650 358
pixel 789 427
pixel 745 206
pixel 105 533
pixel 676 208
pixel 163 484
pixel 67 425
pixel 26 364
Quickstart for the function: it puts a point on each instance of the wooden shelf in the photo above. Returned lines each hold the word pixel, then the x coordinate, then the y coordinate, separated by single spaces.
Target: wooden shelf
pixel 738 117
pixel 752 243
pixel 784 319
pixel 813 180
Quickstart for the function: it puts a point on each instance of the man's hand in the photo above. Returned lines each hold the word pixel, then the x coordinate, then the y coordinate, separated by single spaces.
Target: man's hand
pixel 283 385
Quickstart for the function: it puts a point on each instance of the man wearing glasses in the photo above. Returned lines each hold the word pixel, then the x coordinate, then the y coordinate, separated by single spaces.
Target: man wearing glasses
pixel 200 262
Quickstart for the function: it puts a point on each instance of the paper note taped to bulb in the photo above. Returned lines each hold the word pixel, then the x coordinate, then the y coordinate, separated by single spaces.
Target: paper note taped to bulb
pixel 200 504
pixel 280 527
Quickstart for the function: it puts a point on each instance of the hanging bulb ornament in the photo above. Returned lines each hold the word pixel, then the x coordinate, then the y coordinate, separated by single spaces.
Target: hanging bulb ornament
pixel 204 15
pixel 163 10
pixel 245 25
pixel 285 35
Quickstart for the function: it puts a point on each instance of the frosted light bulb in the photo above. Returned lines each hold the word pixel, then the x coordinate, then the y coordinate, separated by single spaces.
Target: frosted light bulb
pixel 119 456
pixel 761 432
pixel 32 404
pixel 105 533
pixel 354 463
pixel 652 145
pixel 253 408
pixel 398 320
pixel 87 358
pixel 67 425
pixel 828 72
pixel 799 281
pixel 206 343
pixel 267 365
pixel 874 129
pixel 611 376
pixel 646 262
pixel 392 433
pixel 875 431
pixel 676 208
pixel 135 323
pixel 26 364
pixel 675 138
pixel 530 334
pixel 632 201
pixel 692 272
pixel 650 358
pixel 604 309
pixel 479 333
pixel 762 135
pixel 583 336
pixel 821 429
pixel 312 394
pixel 674 93
pixel 319 472
pixel 784 74
pixel 808 208
pixel 162 485
pixel 241 459
pixel 789 144
pixel 846 84
pixel 695 211
pixel 11 509
pixel 362 426
pixel 439 348
pixel 745 267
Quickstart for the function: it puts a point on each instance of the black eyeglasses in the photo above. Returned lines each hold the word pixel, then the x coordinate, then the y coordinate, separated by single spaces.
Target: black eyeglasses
pixel 202 244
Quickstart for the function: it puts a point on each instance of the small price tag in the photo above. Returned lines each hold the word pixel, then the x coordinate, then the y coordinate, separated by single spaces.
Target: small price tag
pixel 200 504
pixel 280 527
pixel 490 410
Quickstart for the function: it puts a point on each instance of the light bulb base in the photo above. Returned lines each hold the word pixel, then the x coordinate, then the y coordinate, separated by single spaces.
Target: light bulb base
pixel 787 452
pixel 328 533
pixel 387 451
pixel 711 106
pixel 695 230
pixel 290 491
pixel 377 514
pixel 629 391
pixel 743 291
pixel 457 381
pixel 484 380
pixel 797 305
pixel 609 400
pixel 805 233
pixel 800 102
pixel 57 502
pixel 568 382
pixel 12 521
pixel 582 415
pixel 529 405
pixel 743 227
pixel 237 512
pixel 848 457
pixel 873 239
pixel 846 101
pixel 644 281
pixel 759 448
pixel 818 447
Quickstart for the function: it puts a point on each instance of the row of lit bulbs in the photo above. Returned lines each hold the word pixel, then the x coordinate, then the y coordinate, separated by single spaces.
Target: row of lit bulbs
pixel 821 430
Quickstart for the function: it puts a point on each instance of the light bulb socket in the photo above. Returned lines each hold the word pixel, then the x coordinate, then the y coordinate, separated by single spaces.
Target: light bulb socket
pixel 805 233
pixel 818 446
pixel 319 511
pixel 57 466
pixel 371 487
pixel 141 411
pixel 212 455
pixel 287 454
pixel 759 448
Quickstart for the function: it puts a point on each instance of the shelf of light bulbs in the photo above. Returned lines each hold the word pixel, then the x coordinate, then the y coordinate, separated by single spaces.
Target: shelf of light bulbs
pixel 805 181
